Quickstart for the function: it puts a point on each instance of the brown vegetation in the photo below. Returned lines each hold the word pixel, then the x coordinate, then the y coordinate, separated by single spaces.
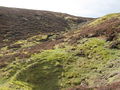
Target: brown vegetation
pixel 113 86
pixel 16 24
pixel 108 29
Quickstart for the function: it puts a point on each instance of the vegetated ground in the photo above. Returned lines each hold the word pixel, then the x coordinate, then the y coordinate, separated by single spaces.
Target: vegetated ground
pixel 16 24
pixel 42 50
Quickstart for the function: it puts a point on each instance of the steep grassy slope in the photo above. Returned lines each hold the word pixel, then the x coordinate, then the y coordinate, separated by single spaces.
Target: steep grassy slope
pixel 87 56
pixel 107 27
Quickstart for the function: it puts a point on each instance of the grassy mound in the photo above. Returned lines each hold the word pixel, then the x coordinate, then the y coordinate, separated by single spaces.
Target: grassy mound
pixel 62 67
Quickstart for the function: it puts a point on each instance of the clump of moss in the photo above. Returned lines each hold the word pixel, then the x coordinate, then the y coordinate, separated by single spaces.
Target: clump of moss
pixel 38 38
pixel 5 51
pixel 24 43
pixel 31 41
pixel 95 48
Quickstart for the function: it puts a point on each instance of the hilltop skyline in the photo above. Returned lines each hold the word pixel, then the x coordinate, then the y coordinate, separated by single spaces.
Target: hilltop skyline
pixel 86 8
